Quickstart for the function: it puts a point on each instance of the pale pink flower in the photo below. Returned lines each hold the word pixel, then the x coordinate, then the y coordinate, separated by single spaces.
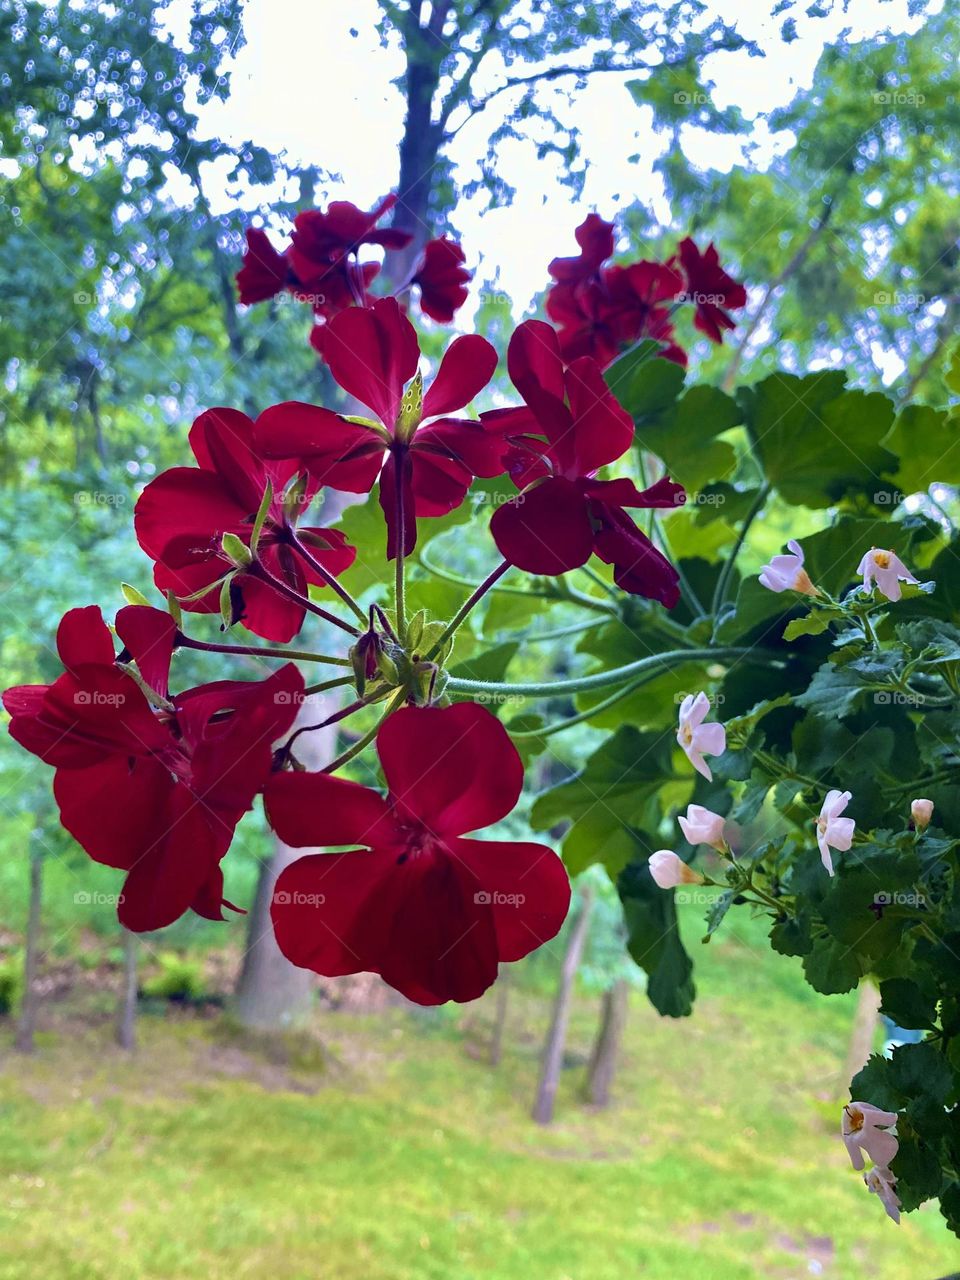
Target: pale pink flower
pixel 703 826
pixel 883 1184
pixel 668 870
pixel 885 570
pixel 786 573
pixel 699 739
pixel 834 832
pixel 864 1129
pixel 921 811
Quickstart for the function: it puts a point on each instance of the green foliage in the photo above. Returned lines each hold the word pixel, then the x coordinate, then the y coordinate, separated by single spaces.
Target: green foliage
pixel 179 978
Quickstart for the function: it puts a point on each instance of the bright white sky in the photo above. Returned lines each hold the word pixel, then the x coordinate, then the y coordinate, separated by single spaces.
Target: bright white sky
pixel 306 86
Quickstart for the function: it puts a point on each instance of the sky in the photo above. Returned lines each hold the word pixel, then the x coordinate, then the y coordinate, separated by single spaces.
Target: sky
pixel 314 82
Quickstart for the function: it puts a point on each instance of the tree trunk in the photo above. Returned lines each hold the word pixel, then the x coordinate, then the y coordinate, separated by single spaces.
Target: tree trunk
pixel 500 1016
pixel 272 994
pixel 557 1035
pixel 27 1022
pixel 864 1028
pixel 126 1029
pixel 606 1048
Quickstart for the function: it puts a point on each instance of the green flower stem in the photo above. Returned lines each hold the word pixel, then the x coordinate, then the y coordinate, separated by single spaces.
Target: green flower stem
pixel 326 575
pixel 478 593
pixel 603 679
pixel 368 737
pixel 447 575
pixel 560 725
pixel 723 581
pixel 255 651
pixel 324 685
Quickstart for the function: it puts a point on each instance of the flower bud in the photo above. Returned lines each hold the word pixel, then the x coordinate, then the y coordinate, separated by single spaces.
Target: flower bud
pixel 703 826
pixel 921 811
pixel 668 870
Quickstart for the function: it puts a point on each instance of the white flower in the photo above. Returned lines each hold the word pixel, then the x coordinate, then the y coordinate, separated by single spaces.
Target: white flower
pixel 886 570
pixel 834 832
pixel 863 1128
pixel 882 1183
pixel 921 811
pixel 703 826
pixel 786 573
pixel 699 739
pixel 668 870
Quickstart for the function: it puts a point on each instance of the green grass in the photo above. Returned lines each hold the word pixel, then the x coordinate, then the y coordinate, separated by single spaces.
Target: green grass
pixel 408 1158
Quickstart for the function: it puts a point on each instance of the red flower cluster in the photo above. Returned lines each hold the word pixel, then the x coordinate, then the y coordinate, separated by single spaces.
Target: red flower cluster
pixel 146 781
pixel 599 310
pixel 155 783
pixel 572 426
pixel 430 911
pixel 321 267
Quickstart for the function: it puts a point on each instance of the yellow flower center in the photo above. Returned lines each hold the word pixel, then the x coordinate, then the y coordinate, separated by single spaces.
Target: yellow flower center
pixel 854 1118
pixel 686 735
pixel 882 559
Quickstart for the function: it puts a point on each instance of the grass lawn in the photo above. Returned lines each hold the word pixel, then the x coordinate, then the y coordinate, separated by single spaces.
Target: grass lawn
pixel 398 1154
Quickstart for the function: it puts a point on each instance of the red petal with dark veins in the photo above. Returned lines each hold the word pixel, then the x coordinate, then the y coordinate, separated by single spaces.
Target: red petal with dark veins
pixel 148 635
pixel 467 366
pixel 373 353
pixel 309 810
pixel 344 455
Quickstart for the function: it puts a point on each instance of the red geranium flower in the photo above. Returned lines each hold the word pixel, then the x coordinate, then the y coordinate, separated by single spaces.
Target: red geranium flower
pixel 710 289
pixel 431 912
pixel 373 353
pixel 601 310
pixel 153 787
pixel 265 272
pixel 182 515
pixel 571 427
pixel 442 278
pixel 322 240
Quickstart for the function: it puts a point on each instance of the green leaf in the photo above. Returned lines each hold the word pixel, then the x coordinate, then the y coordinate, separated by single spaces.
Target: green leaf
pixel 818 443
pixel 489 664
pixel 833 692
pixel 643 382
pixel 684 436
pixel 902 1001
pixel 832 968
pixel 132 595
pixel 814 624
pixel 653 940
pixel 611 794
pixel 928 442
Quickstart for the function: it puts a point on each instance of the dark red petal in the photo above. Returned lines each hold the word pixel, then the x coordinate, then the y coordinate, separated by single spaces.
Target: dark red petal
pixel 595 238
pixel 83 637
pixel 315 810
pixel 602 430
pixel 344 455
pixel 100 710
pixel 222 441
pixel 546 529
pixel 264 270
pixel 402 462
pixel 453 768
pixel 442 279
pixel 622 492
pixel 172 871
pixel 186 501
pixel 373 353
pixel 320 910
pixel 439 483
pixel 526 886
pixel 467 366
pixel 149 636
pixel 638 567
pixel 443 942
pixel 536 370
pixel 114 809
pixel 331 548
pixel 478 449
